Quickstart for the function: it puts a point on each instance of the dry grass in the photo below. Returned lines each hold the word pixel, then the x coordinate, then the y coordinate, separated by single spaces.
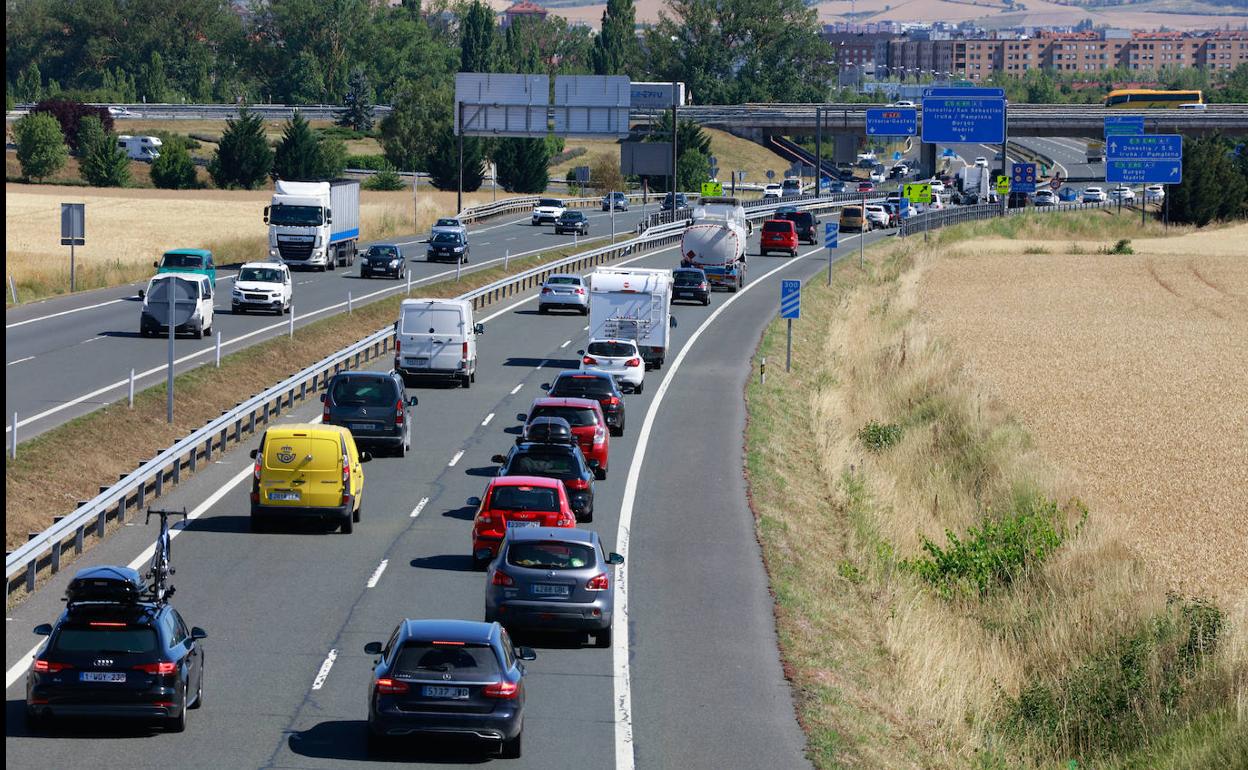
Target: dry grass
pixel 115 439
pixel 887 673
pixel 127 229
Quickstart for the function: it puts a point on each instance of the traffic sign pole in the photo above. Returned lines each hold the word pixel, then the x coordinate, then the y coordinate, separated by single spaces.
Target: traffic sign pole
pixel 788 348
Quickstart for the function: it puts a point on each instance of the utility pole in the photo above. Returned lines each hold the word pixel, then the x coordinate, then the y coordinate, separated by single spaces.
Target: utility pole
pixel 818 150
pixel 459 195
pixel 675 99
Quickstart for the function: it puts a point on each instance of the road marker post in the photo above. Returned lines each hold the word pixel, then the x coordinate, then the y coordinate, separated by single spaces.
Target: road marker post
pixel 291 332
pixel 762 371
pixel 12 288
pixel 13 443
pixel 506 258
pixel 350 306
pixel 831 231
pixel 218 350
pixel 458 261
pixel 409 281
pixel 131 388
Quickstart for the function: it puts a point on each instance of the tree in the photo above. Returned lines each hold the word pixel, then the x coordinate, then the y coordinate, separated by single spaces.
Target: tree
pixel 90 133
pixel 298 154
pixel 68 112
pixel 333 157
pixel 1213 187
pixel 153 80
pixel 409 130
pixel 174 169
pixel 30 84
pixel 386 179
pixel 304 83
pixel 104 164
pixel 476 38
pixel 40 145
pixel 523 165
pixel 357 107
pixel 692 169
pixel 243 157
pixel 615 50
pixel 442 160
pixel 605 176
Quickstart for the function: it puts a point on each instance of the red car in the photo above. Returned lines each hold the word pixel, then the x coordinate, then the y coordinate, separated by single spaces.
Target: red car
pixel 589 426
pixel 866 187
pixel 516 501
pixel 778 235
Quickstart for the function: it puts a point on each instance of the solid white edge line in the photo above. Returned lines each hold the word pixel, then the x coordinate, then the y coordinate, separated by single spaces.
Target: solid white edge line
pixel 455 459
pixel 323 673
pixel 372 581
pixel 624 759
pixel 419 507
pixel 20 360
pixel 565 344
pixel 487 419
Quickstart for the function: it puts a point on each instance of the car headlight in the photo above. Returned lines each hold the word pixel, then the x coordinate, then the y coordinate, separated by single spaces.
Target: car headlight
pixel 394 263
pixel 317 243
pixel 459 248
pixel 236 293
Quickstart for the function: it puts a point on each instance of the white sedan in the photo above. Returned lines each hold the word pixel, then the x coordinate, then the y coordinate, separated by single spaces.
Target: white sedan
pixel 1154 193
pixel 619 358
pixel 1094 195
pixel 122 112
pixel 937 185
pixel 877 215
pixel 1123 193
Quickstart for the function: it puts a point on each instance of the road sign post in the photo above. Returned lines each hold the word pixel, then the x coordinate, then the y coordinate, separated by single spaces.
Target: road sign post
pixel 790 308
pixel 73 233
pixel 831 231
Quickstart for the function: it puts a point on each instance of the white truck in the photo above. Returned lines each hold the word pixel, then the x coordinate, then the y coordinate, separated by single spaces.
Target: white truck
pixel 627 303
pixel 144 148
pixel 314 224
pixel 715 242
pixel 975 179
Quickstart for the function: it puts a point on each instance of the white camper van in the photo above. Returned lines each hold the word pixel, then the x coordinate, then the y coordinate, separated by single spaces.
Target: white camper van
pixel 632 303
pixel 437 338
pixel 144 148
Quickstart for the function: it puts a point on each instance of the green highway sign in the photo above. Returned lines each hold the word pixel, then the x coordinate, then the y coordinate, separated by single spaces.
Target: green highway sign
pixel 919 192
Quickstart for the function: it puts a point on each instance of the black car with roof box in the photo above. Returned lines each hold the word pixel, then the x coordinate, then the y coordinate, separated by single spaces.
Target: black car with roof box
pixel 593 384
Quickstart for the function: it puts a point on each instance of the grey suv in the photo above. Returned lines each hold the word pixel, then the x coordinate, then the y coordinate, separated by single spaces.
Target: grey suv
pixel 374 406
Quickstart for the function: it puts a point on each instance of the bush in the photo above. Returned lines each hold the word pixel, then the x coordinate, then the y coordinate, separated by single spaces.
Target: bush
pixel 561 157
pixel 69 113
pixel 1123 246
pixel 174 169
pixel 368 162
pixel 90 133
pixel 104 164
pixel 40 146
pixel 168 137
pixel 523 165
pixel 996 554
pixel 878 437
pixel 386 179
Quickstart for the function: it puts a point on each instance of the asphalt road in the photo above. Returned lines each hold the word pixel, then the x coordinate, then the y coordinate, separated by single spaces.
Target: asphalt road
pixel 1070 153
pixel 694 680
pixel 68 356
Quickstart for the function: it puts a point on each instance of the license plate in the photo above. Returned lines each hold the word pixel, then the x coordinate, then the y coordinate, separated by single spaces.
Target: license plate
pixel 102 676
pixel 520 524
pixel 283 495
pixel 417 361
pixel 362 426
pixel 542 589
pixel 459 693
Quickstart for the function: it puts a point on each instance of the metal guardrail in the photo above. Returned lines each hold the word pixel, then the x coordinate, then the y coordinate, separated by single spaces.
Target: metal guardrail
pixel 154 477
pixel 930 220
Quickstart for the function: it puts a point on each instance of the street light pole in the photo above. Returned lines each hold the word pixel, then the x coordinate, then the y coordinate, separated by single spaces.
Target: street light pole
pixel 675 99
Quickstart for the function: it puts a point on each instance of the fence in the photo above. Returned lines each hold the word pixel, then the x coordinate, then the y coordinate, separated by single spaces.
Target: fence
pixel 930 220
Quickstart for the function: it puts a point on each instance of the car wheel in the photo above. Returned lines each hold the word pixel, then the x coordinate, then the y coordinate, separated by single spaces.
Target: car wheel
pixel 616 431
pixel 511 749
pixel 355 515
pixel 347 526
pixel 479 565
pixel 199 690
pixel 402 450
pixel 600 473
pixel 37 723
pixel 473 377
pixel 639 387
pixel 602 639
pixel 465 381
pixel 706 302
pixel 178 724
pixel 588 516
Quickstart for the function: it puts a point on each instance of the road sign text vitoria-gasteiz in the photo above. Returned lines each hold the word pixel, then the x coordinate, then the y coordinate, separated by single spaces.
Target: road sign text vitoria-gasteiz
pixel 1144 159
pixel 950 120
pixel 892 121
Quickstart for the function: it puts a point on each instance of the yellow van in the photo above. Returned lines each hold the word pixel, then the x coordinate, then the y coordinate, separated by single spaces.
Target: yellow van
pixel 852 218
pixel 307 471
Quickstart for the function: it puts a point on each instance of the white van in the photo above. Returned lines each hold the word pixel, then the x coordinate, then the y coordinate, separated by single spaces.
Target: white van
pixel 192 305
pixel 145 148
pixel 437 338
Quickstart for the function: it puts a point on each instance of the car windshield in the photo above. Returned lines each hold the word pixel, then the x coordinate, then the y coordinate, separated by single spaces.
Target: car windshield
pixel 612 348
pixel 550 555
pixel 295 215
pixel 415 659
pixel 577 416
pixel 524 499
pixel 382 252
pixel 575 387
pixel 556 466
pixel 364 391
pixel 448 223
pixel 260 274
pixel 446 238
pixel 572 215
pixel 419 320
pixel 554 203
pixel 111 639
pixel 851 211
pixel 563 280
pixel 182 260
pixel 687 277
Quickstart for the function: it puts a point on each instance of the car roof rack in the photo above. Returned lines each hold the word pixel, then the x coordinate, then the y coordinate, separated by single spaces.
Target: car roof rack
pixel 547 430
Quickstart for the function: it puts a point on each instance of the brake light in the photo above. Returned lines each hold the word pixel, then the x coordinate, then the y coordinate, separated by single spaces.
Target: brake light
pixel 106 624
pixel 346 480
pixel 324 412
pixel 613 401
pixel 501 579
pixel 398 345
pixel 702 285
pixel 545 290
pixel 49 667
pixel 633 362
pixel 505 690
pixel 578 485
pixel 600 435
pixel 598 582
pixel 162 668
pixel 440 643
pixel 398 412
pixel 589 360
pixel 388 686
pixel 580 291
pixel 465 354
pixel 565 520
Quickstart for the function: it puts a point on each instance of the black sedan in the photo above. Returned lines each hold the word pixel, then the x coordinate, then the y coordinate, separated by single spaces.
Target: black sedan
pixel 555 461
pixel 596 385
pixel 373 406
pixel 691 283
pixel 448 678
pixel 382 259
pixel 572 222
pixel 615 200
pixel 447 247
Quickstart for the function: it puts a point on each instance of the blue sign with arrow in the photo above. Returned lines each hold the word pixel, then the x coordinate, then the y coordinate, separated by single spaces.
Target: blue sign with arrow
pixel 790 299
pixel 1023 177
pixel 830 232
pixel 1144 159
pixel 963 120
pixel 892 121
pixel 1120 125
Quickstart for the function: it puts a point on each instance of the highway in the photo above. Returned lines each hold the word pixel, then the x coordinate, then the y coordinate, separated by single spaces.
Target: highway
pixel 68 356
pixel 288 613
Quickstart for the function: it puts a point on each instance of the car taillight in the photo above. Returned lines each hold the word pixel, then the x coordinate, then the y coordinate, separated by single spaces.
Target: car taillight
pixel 545 290
pixel 633 362
pixel 255 471
pixel 398 346
pixel 398 413
pixel 388 686
pixel 465 353
pixel 613 401
pixel 346 480
pixel 578 485
pixel 501 579
pixel 565 520
pixel 485 518
pixel 580 291
pixel 162 668
pixel 702 285
pixel 325 412
pixel 505 690
pixel 598 582
pixel 50 667
pixel 600 435
pixel 589 360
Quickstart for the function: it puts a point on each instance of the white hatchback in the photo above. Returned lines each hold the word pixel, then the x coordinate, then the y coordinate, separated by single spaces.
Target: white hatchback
pixel 619 358
pixel 1094 195
pixel 877 215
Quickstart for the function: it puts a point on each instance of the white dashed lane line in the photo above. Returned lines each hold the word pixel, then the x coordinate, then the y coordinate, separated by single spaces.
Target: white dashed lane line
pixel 455 459
pixel 20 360
pixel 565 344
pixel 372 581
pixel 487 419
pixel 323 674
pixel 419 507
pixel 516 389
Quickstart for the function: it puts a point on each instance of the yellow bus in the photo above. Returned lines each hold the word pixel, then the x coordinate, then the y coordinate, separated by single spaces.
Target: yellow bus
pixel 1145 97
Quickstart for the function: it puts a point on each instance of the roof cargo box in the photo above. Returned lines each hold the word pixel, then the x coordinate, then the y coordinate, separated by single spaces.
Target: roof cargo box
pixel 117 585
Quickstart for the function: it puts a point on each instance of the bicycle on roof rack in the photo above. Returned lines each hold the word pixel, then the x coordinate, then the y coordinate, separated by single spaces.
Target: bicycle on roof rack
pixel 161 569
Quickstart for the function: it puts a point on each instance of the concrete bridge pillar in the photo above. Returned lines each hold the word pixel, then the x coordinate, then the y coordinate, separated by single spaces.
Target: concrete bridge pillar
pixel 927 160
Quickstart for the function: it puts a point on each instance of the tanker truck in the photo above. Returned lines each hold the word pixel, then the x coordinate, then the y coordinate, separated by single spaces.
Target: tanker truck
pixel 715 242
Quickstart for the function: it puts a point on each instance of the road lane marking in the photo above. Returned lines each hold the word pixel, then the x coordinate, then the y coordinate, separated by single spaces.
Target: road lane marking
pixel 93 339
pixel 419 507
pixel 487 419
pixel 516 389
pixel 564 345
pixel 624 759
pixel 585 329
pixel 66 312
pixel 323 674
pixel 20 360
pixel 455 459
pixel 372 581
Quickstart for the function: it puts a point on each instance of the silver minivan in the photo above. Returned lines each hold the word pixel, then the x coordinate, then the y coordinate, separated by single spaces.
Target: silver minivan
pixel 437 338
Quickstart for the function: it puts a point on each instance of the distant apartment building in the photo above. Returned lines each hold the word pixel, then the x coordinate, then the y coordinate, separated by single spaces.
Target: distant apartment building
pixel 520 10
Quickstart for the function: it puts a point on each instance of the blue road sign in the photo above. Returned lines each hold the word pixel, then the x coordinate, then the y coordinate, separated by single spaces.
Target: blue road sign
pixel 892 121
pixel 790 299
pixel 963 120
pixel 896 155
pixel 825 184
pixel 995 93
pixel 948 153
pixel 830 232
pixel 1023 177
pixel 1144 147
pixel 1144 171
pixel 1119 125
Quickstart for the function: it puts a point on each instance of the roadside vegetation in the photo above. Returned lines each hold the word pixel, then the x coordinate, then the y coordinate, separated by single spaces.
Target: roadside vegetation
pixel 943 596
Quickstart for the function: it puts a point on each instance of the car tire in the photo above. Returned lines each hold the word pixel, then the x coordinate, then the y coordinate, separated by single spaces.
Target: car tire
pixel 178 724
pixel 600 473
pixel 402 450
pixel 347 526
pixel 706 302
pixel 36 723
pixel 199 691
pixel 473 377
pixel 614 431
pixel 479 565
pixel 465 381
pixel 355 515
pixel 602 639
pixel 588 515
pixel 639 387
pixel 511 749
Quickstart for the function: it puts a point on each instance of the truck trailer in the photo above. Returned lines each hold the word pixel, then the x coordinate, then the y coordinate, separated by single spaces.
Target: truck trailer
pixel 715 242
pixel 632 304
pixel 314 224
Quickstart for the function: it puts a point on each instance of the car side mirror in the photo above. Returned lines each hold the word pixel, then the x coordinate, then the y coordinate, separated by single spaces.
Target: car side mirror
pixel 500 459
pixel 545 386
pixel 43 629
pixel 412 401
pixel 615 558
pixel 324 396
pixel 252 454
pixel 198 633
pixel 329 217
pixel 266 215
pixel 473 501
pixel 478 328
pixel 142 293
pixel 372 648
pixel 580 352
pixel 366 457
pixel 671 321
pixel 526 653
pixel 156 265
